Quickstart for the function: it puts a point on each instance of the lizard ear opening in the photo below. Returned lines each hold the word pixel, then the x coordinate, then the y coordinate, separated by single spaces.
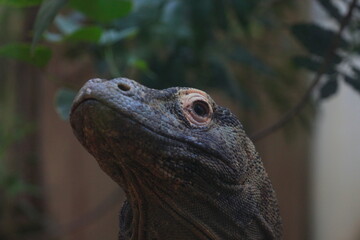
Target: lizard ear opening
pixel 196 107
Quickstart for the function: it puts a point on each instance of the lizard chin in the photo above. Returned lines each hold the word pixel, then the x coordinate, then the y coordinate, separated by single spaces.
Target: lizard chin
pixel 88 127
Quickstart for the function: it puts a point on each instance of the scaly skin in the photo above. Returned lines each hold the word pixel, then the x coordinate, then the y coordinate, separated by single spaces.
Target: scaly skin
pixel 187 167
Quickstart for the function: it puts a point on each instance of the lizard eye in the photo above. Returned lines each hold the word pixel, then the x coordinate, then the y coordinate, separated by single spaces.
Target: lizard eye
pixel 201 108
pixel 196 107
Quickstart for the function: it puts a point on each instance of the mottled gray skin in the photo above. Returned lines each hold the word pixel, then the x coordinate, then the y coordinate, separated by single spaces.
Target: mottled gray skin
pixel 181 181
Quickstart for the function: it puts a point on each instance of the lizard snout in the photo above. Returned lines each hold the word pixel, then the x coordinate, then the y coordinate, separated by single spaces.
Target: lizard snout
pixel 126 86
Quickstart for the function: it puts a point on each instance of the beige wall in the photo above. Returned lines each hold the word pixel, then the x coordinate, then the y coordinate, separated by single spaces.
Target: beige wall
pixel 336 168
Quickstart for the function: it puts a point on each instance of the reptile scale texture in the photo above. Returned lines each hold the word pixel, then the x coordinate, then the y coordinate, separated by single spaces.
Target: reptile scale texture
pixel 187 167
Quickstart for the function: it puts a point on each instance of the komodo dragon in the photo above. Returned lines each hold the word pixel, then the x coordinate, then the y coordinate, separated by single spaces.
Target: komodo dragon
pixel 187 167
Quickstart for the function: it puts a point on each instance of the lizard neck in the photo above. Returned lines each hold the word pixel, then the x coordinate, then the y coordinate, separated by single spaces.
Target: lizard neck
pixel 150 214
pixel 180 214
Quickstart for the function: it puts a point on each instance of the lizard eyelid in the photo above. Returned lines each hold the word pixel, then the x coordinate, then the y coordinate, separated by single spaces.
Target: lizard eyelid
pixel 196 108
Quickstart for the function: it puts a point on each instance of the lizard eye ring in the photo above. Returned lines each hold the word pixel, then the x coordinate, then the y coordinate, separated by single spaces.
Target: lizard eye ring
pixel 196 107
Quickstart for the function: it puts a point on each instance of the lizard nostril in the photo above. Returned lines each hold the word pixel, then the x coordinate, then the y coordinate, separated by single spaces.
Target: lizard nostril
pixel 123 87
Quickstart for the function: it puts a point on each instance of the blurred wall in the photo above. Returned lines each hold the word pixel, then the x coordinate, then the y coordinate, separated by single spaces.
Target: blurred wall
pixel 335 178
pixel 336 166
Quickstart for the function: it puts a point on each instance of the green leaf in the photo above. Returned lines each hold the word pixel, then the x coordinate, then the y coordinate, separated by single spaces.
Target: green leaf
pixel 356 71
pixel 103 11
pixel 221 14
pixel 307 63
pixel 111 36
pixel 312 64
pixel 329 88
pixel 317 40
pixel 174 21
pixel 20 3
pixel 15 186
pixel 22 51
pixel 90 34
pixel 63 101
pixel 218 69
pixel 243 10
pixel 53 37
pixel 139 63
pixel 331 9
pixel 244 56
pixel 46 14
pixel 66 24
pixel 353 82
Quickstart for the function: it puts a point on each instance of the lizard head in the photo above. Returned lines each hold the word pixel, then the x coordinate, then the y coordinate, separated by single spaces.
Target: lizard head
pixel 178 149
pixel 176 135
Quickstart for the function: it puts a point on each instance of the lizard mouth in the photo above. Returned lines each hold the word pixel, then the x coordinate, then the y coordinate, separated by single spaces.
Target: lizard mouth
pixel 76 104
pixel 85 94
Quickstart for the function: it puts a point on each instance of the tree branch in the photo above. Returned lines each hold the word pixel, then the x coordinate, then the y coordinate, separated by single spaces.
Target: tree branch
pixel 323 68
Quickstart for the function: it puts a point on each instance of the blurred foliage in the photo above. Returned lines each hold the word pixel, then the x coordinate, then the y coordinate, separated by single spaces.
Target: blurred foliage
pixel 181 42
pixel 164 43
pixel 18 215
pixel 204 43
pixel 20 3
pixel 63 100
pixel 22 51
